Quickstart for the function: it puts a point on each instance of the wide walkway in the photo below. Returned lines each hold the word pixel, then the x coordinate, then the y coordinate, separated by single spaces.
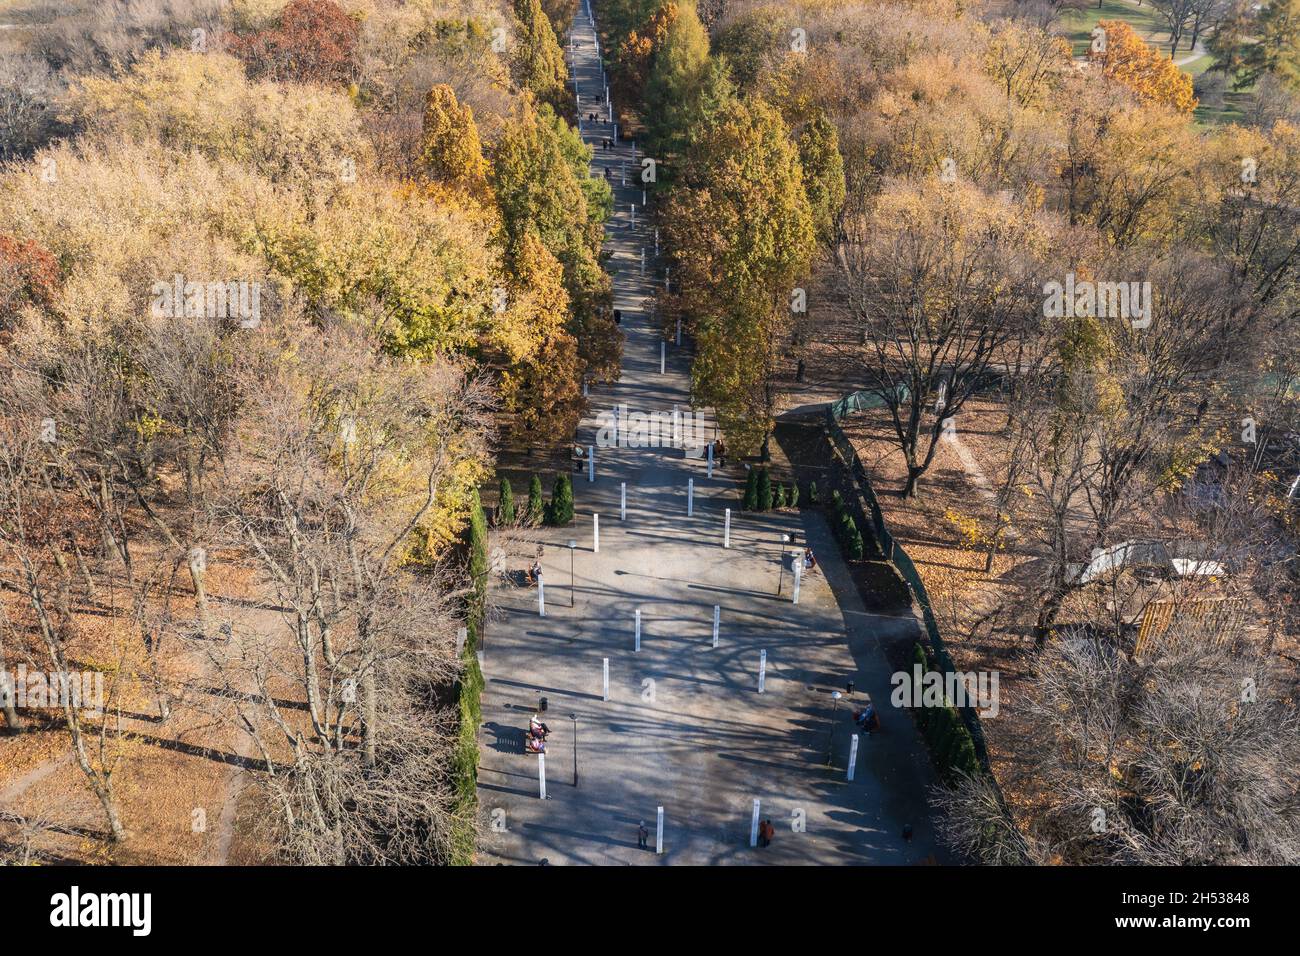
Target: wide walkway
pixel 685 727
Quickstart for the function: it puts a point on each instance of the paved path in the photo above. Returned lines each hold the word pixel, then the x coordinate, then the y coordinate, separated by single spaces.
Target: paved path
pixel 685 727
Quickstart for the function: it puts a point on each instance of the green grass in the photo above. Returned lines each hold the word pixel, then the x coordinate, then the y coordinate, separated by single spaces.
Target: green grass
pixel 1077 25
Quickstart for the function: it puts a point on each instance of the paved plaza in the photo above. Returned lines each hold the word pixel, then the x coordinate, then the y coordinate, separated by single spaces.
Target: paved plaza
pixel 685 727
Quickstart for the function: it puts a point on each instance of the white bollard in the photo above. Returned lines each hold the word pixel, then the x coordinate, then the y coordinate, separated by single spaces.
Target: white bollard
pixel 604 693
pixel 541 776
pixel 584 388
pixel 853 756
pixel 659 830
pixel 717 615
pixel 753 825
pixel 643 260
pixel 637 646
pixel 643 199
pixel 663 351
pixel 798 576
pixel 541 597
pixel 710 474
pixel 762 670
pixel 591 462
pixel 595 534
pixel 726 530
pixel 634 214
pixel 622 501
pixel 690 497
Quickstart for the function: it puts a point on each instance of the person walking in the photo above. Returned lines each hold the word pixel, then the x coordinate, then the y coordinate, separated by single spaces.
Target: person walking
pixel 765 833
pixel 642 837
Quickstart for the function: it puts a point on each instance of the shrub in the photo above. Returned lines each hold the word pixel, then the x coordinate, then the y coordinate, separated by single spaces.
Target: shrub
pixel 561 511
pixel 794 494
pixel 778 498
pixel 813 498
pixel 750 501
pixel 536 502
pixel 764 491
pixel 506 504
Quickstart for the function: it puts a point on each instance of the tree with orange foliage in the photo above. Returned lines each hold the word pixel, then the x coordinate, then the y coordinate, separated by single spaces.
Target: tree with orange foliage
pixel 314 42
pixel 1122 56
pixel 28 276
pixel 637 52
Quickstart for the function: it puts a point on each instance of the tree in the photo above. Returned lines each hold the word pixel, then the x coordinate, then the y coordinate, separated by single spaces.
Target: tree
pixel 538 60
pixel 636 53
pixel 560 513
pixel 1140 67
pixel 677 65
pixel 750 500
pixel 936 280
pixel 764 490
pixel 1177 16
pixel 741 233
pixel 314 42
pixel 1250 43
pixel 823 175
pixel 450 151
pixel 540 177
pixel 29 276
pixel 536 501
pixel 505 504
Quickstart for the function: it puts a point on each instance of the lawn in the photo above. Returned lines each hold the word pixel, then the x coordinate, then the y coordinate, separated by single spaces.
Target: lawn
pixel 1077 25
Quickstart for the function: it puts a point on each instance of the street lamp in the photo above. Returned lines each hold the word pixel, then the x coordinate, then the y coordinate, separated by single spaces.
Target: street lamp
pixel 573 546
pixel 780 578
pixel 574 718
pixel 830 746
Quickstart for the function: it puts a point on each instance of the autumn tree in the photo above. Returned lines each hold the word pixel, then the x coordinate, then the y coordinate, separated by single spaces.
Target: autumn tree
pixel 939 279
pixel 313 42
pixel 450 150
pixel 538 60
pixel 823 173
pixel 1153 78
pixel 1254 41
pixel 742 235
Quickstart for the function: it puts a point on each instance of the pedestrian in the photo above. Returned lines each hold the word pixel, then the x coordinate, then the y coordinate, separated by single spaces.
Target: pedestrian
pixel 765 833
pixel 642 837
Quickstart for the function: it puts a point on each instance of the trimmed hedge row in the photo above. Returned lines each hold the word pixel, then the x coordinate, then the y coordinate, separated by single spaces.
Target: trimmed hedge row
pixel 946 734
pixel 464 764
pixel 846 529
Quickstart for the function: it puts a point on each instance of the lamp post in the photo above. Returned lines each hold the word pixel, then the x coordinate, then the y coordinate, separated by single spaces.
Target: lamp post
pixel 830 745
pixel 780 579
pixel 573 546
pixel 574 718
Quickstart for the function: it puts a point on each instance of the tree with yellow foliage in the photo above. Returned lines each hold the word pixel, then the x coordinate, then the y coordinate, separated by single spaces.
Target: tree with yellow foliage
pixel 1153 77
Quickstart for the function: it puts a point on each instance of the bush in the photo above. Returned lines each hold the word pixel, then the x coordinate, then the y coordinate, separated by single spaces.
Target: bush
pixel 813 498
pixel 561 511
pixel 764 491
pixel 750 501
pixel 947 737
pixel 794 494
pixel 464 761
pixel 778 499
pixel 536 502
pixel 505 504
pixel 857 550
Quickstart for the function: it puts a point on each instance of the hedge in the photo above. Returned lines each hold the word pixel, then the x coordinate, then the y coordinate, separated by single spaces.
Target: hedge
pixel 469 691
pixel 946 735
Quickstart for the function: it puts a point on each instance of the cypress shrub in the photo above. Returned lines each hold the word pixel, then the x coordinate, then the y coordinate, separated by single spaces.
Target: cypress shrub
pixel 750 501
pixel 561 512
pixel 764 491
pixel 813 498
pixel 778 498
pixel 794 493
pixel 506 504
pixel 856 548
pixel 536 503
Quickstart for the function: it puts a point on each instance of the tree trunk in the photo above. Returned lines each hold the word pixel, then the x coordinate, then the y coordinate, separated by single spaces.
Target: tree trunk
pixel 198 572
